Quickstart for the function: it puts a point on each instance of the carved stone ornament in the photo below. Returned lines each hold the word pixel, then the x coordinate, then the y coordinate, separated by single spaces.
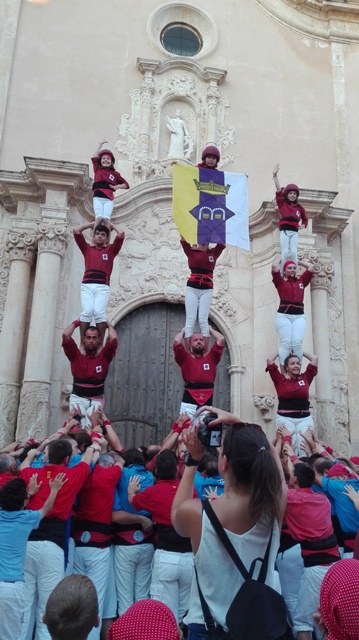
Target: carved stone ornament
pixel 4 278
pixel 323 275
pixel 329 20
pixel 266 405
pixel 21 246
pixel 147 136
pixel 152 264
pixel 66 390
pixel 9 401
pixel 33 416
pixel 52 237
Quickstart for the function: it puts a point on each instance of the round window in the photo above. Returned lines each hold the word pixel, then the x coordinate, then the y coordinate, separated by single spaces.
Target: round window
pixel 181 39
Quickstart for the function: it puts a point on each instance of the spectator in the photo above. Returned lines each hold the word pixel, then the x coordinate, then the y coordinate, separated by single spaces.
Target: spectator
pixel 72 609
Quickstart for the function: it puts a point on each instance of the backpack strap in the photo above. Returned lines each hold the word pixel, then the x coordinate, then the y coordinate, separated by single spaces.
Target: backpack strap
pixel 209 621
pixel 231 550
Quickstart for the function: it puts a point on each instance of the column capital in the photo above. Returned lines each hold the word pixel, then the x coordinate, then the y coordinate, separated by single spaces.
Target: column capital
pixel 21 246
pixel 323 275
pixel 52 237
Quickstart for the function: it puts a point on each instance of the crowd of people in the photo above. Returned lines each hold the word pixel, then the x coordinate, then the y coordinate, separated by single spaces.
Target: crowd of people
pixel 150 539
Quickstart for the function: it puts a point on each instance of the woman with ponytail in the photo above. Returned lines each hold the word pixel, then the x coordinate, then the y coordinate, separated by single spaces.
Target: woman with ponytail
pixel 250 510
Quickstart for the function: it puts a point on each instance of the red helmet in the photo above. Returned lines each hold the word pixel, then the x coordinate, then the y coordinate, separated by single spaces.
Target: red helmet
pixel 211 151
pixel 290 187
pixel 107 152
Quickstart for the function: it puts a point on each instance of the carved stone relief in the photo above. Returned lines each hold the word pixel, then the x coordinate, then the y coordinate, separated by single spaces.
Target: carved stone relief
pixel 4 278
pixel 166 89
pixel 266 405
pixel 152 263
pixel 52 237
pixel 34 410
pixel 9 402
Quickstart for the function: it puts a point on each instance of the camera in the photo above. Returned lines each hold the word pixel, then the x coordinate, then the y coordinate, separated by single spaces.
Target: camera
pixel 210 437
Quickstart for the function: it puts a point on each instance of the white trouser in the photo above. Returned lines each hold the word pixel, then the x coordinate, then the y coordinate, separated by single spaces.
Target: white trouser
pixel 133 570
pixel 197 301
pixel 44 568
pixel 288 247
pixel 110 604
pixel 290 567
pixel 102 207
pixel 94 299
pixel 85 406
pixel 94 563
pixel 297 426
pixel 308 598
pixel 172 574
pixel 290 329
pixel 12 598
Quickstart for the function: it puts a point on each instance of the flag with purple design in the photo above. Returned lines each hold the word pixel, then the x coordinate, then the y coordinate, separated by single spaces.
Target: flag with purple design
pixel 211 206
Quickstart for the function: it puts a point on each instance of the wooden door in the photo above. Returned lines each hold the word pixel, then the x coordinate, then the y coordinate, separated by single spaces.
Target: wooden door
pixel 144 386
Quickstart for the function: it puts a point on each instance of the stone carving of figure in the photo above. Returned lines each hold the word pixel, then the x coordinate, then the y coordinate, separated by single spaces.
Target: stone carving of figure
pixel 181 145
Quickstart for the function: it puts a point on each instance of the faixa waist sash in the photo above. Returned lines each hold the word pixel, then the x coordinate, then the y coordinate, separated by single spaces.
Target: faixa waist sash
pixel 101 184
pixel 93 388
pixel 292 308
pixel 319 552
pixel 92 534
pixel 200 392
pixel 201 279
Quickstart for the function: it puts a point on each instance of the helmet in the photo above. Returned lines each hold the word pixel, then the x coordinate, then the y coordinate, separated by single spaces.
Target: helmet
pixel 290 187
pixel 211 151
pixel 107 152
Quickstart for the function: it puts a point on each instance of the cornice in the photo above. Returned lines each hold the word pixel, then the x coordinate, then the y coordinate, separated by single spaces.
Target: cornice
pixel 205 74
pixel 328 20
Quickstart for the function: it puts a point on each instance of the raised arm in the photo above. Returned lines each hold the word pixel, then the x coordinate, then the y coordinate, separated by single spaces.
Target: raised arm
pixel 67 333
pixel 120 232
pixel 112 335
pixel 82 228
pixel 100 145
pixel 178 338
pixel 275 177
pixel 275 265
pixel 217 336
pixel 313 359
pixel 272 358
pixel 307 265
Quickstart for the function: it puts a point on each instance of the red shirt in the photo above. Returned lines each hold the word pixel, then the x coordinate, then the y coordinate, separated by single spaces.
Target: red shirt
pixel 294 390
pixel 89 372
pixel 98 262
pixel 291 213
pixel 291 291
pixel 202 262
pixel 158 500
pixel 6 477
pixel 95 500
pixel 201 369
pixel 308 515
pixel 108 175
pixel 67 494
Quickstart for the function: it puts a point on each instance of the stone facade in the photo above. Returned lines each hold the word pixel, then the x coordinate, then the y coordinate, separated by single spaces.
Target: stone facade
pixel 274 80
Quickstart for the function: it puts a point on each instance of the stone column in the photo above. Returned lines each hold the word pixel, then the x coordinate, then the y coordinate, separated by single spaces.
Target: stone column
pixel 34 399
pixel 320 287
pixel 212 106
pixel 21 248
pixel 144 164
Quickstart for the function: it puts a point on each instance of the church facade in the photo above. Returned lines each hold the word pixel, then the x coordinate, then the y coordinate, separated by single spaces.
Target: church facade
pixel 266 81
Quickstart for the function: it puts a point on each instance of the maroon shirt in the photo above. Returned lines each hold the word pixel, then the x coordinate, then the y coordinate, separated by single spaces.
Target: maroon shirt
pixel 98 262
pixel 108 175
pixel 199 371
pixel 290 213
pixel 202 263
pixel 292 393
pixel 89 372
pixel 291 292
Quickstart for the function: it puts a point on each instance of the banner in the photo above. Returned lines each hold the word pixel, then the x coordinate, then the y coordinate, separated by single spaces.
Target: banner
pixel 211 206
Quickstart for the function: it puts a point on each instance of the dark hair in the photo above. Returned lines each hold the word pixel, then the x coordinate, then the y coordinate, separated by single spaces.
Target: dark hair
pixel 26 450
pixel 211 466
pixel 93 327
pixel 203 461
pixel 102 227
pixel 82 438
pixel 322 464
pixel 291 355
pixel 166 465
pixel 13 495
pixel 312 458
pixel 72 608
pixel 304 474
pixel 134 456
pixel 248 453
pixel 59 450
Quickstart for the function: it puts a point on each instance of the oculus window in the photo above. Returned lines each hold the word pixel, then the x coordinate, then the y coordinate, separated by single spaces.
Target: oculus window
pixel 181 39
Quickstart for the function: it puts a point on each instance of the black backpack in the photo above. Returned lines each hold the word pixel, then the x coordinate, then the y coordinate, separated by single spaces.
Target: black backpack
pixel 257 611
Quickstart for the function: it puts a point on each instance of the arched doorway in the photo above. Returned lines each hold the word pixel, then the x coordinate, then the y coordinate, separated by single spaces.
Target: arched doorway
pixel 144 386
